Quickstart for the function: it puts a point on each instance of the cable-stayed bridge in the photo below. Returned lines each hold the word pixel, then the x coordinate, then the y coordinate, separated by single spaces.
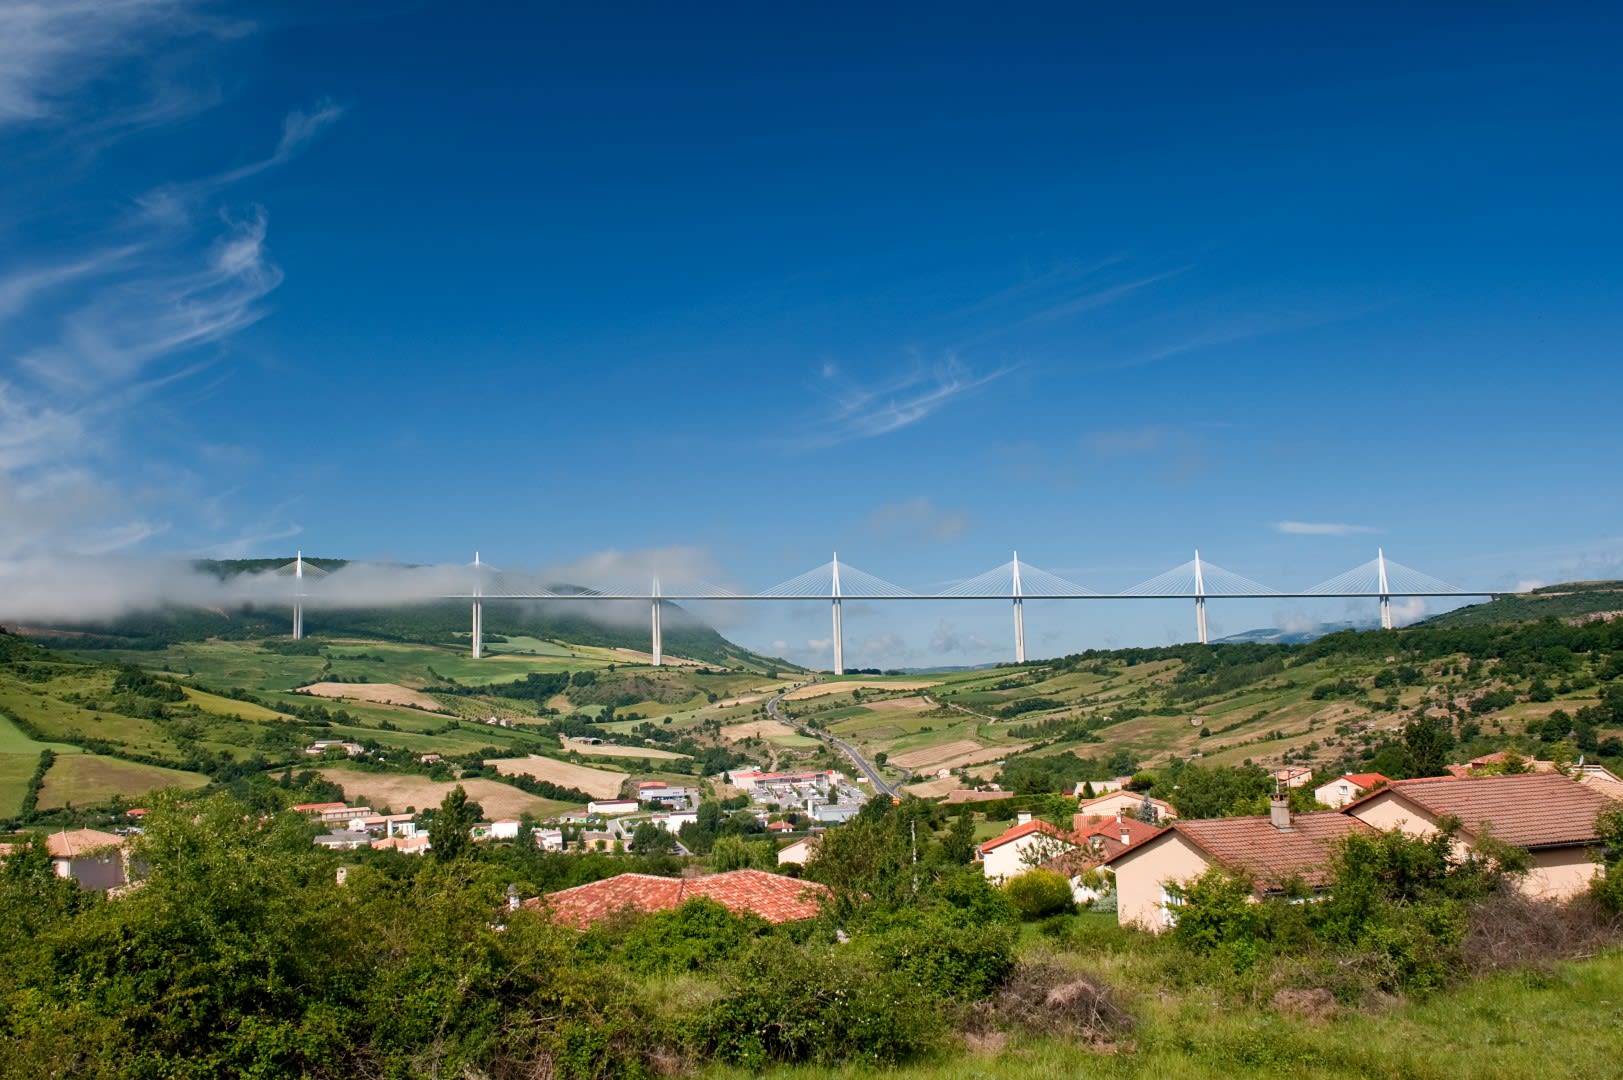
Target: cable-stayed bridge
pixel 1197 580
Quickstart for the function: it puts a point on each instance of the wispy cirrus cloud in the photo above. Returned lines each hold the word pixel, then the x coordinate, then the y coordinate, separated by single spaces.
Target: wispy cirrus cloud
pixel 1320 528
pixel 51 49
pixel 99 324
pixel 868 411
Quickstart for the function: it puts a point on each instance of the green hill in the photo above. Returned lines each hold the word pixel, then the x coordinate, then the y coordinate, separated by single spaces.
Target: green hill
pixel 1574 600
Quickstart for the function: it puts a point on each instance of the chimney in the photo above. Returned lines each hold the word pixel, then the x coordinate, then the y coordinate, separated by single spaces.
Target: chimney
pixel 1023 817
pixel 1126 835
pixel 1279 813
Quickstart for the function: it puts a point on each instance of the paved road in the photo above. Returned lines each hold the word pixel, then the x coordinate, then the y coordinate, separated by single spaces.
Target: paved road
pixel 840 744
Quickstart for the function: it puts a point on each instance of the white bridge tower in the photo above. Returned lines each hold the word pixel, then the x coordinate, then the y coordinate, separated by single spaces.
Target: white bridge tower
pixel 839 634
pixel 1019 615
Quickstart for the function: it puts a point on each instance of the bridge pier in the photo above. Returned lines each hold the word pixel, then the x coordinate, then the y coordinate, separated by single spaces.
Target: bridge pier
pixel 298 596
pixel 657 634
pixel 1386 598
pixel 839 641
pixel 1200 602
pixel 1019 614
pixel 477 630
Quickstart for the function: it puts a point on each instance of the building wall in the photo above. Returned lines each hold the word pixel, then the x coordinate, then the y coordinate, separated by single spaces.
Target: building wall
pixel 98 872
pixel 1386 811
pixel 1337 793
pixel 1117 802
pixel 1016 857
pixel 1141 874
pixel 1560 873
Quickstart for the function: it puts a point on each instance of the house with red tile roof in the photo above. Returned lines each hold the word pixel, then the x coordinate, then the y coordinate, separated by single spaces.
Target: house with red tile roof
pixel 1344 789
pixel 1031 842
pixel 1274 850
pixel 1126 804
pixel 772 897
pixel 1550 815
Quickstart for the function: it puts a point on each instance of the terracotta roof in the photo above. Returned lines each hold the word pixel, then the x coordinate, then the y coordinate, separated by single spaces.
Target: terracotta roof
pixel 1035 826
pixel 1111 828
pixel 70 844
pixel 1252 845
pixel 315 807
pixel 1530 810
pixel 1366 779
pixel 771 896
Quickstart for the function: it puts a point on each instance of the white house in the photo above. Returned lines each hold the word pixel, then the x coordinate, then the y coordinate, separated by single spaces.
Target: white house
pixel 1344 789
pixel 1029 843
pixel 612 807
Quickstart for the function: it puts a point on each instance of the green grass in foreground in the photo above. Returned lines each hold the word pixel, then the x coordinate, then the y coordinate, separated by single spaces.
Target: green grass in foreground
pixel 1529 1024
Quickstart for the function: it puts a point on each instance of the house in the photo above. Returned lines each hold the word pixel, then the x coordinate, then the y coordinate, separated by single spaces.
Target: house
pixel 549 839
pixel 1125 803
pixel 1275 850
pixel 93 858
pixel 797 852
pixel 318 808
pixel 1344 789
pixel 406 845
pixel 612 807
pixel 779 827
pixel 505 829
pixel 1109 836
pixel 344 840
pixel 321 746
pixel 772 897
pixel 1293 776
pixel 1031 842
pixel 1550 815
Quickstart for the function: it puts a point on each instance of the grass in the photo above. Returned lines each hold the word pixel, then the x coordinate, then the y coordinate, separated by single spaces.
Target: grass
pixel 91 779
pixel 1520 1025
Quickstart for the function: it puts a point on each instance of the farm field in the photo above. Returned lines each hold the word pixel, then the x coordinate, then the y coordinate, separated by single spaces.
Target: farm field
pixel 90 779
pixel 596 782
pixel 771 730
pixel 403 794
pixel 845 686
pixel 610 750
pixel 377 693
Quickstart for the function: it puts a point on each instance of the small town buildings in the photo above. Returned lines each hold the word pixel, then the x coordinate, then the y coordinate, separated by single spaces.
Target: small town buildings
pixel 612 807
pixel 321 746
pixel 345 840
pixel 1293 776
pixel 549 839
pixel 1344 789
pixel 406 845
pixel 505 829
pixel 772 897
pixel 1275 850
pixel 1550 815
pixel 1125 803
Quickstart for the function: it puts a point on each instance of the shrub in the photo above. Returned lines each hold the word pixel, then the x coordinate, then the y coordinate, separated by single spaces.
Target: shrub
pixel 694 937
pixel 1039 893
pixel 945 954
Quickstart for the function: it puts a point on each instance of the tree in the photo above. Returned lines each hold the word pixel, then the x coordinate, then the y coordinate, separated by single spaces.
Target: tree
pixel 1426 743
pixel 449 832
pixel 649 838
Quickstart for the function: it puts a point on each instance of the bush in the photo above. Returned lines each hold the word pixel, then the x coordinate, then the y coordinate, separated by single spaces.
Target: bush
pixel 1038 893
pixel 818 1005
pixel 945 954
pixel 694 937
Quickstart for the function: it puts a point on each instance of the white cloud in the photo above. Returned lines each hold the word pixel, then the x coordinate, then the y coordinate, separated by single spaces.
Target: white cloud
pixel 868 411
pixel 918 519
pixel 1319 528
pixel 1411 610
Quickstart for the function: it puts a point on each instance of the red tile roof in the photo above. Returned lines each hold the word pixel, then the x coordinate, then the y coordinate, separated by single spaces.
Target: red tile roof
pixel 1035 826
pixel 1252 845
pixel 1137 831
pixel 1366 779
pixel 1530 810
pixel 771 896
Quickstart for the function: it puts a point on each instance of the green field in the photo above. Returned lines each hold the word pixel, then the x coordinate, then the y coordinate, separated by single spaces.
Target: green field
pixel 1527 1025
pixel 91 779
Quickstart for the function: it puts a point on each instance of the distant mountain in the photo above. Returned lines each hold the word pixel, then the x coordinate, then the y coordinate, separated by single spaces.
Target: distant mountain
pixel 612 624
pixel 1272 635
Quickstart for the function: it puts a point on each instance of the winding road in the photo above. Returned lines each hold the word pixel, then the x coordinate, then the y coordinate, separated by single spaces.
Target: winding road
pixel 850 751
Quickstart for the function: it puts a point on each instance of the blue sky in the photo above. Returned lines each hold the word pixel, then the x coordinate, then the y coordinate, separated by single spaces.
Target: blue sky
pixel 744 285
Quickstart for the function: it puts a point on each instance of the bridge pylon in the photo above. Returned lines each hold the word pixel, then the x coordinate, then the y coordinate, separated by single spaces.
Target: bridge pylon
pixel 656 632
pixel 839 631
pixel 477 632
pixel 1019 614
